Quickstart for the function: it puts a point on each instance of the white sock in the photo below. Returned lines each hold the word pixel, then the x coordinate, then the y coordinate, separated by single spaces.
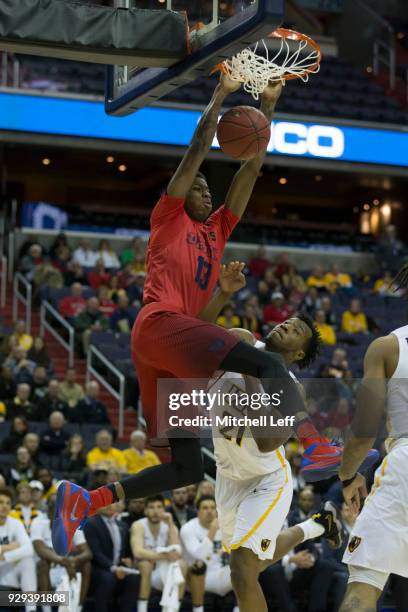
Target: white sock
pixel 142 605
pixel 198 608
pixel 311 529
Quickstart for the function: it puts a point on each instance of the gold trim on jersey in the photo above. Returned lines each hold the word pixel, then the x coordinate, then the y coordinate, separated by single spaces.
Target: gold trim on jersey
pixel 270 508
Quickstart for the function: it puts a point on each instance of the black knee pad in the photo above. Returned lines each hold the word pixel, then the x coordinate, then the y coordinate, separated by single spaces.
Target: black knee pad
pixel 199 568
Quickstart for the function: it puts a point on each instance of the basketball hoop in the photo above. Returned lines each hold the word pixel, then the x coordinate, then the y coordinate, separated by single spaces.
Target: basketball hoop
pixel 283 55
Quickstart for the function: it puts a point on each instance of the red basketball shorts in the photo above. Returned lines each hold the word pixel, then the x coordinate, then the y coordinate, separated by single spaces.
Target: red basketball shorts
pixel 169 345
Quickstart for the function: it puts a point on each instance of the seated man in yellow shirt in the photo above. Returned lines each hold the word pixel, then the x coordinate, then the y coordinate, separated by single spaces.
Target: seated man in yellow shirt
pixel 327 333
pixel 353 320
pixel 317 278
pixel 137 457
pixel 104 454
pixel 336 279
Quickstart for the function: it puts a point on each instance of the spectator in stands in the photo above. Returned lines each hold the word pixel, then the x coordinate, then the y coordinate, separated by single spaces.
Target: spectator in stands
pixel 21 337
pixel 60 241
pixel 250 320
pixel 338 366
pixel 305 507
pixel 192 496
pixel 338 280
pixel 51 402
pixel 228 317
pixel 62 258
pixel 383 286
pixel 24 510
pixel 30 261
pixel 278 311
pixel 22 367
pixel 258 264
pixel 50 566
pixel 84 255
pixel 90 319
pixel 329 315
pixel 271 280
pixel 72 305
pixel 135 249
pixel 90 409
pixel 104 454
pixel 202 547
pixel 390 250
pixel 75 274
pixel 108 540
pixel 122 318
pixel 137 457
pixel 205 487
pixel 46 277
pixel 99 276
pixel 32 443
pixel 179 509
pixel 354 320
pixel 293 281
pixel 327 333
pixel 108 255
pixel 134 511
pixel 37 491
pixel 74 459
pixel 282 265
pixel 69 390
pixel 49 483
pixel 114 289
pixel 156 530
pixel 7 384
pixel 15 437
pixel 127 277
pixel 17 570
pixel 312 301
pixel 340 417
pixel 106 305
pixel 21 404
pixel 23 468
pixel 39 384
pixel 39 354
pixel 97 478
pixel 138 265
pixel 54 439
pixel 317 278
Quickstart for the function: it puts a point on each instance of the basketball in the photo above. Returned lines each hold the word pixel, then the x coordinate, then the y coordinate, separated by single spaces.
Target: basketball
pixel 243 132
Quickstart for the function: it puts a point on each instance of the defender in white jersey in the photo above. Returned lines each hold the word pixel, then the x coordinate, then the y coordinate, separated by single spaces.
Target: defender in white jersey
pixel 254 485
pixel 378 544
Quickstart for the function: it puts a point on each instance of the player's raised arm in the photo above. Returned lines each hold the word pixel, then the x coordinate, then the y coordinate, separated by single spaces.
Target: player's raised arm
pixel 244 181
pixel 185 174
pixel 371 400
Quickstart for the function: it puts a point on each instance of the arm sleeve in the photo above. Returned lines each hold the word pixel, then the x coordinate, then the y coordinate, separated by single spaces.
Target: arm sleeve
pixel 25 549
pixel 225 219
pixel 165 209
pixel 197 549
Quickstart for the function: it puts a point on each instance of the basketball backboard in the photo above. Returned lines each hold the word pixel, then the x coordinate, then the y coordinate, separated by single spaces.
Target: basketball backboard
pixel 218 30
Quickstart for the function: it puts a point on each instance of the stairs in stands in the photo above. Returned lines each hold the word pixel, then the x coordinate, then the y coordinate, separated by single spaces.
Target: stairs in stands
pixel 60 362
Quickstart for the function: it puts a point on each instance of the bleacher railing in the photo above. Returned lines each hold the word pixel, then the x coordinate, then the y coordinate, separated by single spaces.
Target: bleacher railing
pixel 3 287
pixel 47 311
pixel 22 293
pixel 95 355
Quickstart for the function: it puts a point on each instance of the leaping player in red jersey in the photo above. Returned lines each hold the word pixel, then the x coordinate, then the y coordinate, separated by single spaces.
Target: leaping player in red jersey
pixel 169 340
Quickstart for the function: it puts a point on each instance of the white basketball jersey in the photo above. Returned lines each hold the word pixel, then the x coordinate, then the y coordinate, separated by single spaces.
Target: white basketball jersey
pixel 397 396
pixel 150 541
pixel 236 452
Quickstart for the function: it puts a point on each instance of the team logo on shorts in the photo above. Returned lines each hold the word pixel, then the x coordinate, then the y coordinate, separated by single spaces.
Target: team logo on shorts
pixel 354 543
pixel 265 545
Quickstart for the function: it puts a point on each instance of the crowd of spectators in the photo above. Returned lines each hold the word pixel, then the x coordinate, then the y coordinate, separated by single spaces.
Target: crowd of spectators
pixel 125 549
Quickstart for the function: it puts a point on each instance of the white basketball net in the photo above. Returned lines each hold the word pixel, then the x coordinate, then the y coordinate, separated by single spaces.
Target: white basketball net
pixel 255 71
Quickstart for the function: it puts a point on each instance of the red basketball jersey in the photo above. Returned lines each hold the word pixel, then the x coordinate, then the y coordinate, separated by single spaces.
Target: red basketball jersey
pixel 184 256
